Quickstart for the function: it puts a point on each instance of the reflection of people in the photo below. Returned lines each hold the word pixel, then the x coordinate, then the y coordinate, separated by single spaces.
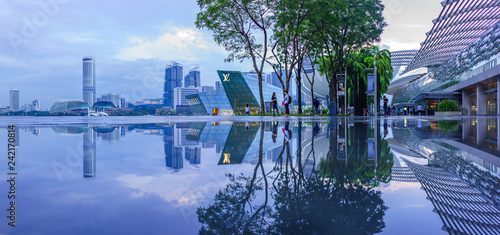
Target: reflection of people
pixel 274 100
pixel 287 132
pixel 275 131
pixel 247 125
pixel 247 110
pixel 316 128
pixel 287 101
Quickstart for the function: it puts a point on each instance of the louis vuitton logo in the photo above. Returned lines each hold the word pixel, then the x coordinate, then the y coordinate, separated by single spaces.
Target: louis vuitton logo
pixel 226 77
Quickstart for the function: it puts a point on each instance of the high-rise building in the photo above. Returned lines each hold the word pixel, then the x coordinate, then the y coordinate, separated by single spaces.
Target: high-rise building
pixel 111 97
pixel 14 99
pixel 123 103
pixel 218 85
pixel 173 79
pixel 89 80
pixel 193 78
pixel 36 105
pixel 275 81
pixel 180 94
pixel 207 88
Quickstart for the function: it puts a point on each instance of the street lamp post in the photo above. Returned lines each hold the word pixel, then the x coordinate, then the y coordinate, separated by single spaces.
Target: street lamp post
pixel 375 88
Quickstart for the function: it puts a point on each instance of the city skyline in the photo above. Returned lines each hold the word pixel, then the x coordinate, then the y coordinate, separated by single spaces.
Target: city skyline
pixel 42 56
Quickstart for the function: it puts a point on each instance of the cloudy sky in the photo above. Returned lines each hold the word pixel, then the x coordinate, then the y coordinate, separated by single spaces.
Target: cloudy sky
pixel 42 44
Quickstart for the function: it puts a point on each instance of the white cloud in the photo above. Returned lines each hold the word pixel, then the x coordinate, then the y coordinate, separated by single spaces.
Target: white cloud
pixel 184 43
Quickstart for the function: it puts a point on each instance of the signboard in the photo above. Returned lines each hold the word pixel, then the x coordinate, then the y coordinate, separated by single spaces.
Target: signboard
pixel 371 83
pixel 340 88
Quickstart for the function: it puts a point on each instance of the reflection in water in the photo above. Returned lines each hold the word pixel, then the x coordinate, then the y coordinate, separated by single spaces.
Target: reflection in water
pixel 329 200
pixel 89 154
pixel 314 177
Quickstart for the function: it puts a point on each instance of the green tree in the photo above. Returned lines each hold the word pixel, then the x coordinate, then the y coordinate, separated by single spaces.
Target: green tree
pixel 242 28
pixel 382 59
pixel 290 38
pixel 344 25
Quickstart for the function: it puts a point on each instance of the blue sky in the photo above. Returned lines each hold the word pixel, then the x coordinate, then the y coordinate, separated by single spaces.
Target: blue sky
pixel 42 44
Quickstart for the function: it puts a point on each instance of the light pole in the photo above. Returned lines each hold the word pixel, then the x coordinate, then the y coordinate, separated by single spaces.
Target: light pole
pixel 375 92
pixel 345 91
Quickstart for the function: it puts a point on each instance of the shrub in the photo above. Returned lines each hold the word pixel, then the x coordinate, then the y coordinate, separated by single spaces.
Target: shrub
pixel 448 105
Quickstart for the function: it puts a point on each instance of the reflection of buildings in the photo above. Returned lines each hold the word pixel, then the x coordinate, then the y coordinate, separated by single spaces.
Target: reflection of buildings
pixel 173 155
pixel 462 209
pixel 90 135
pixel 239 90
pixel 193 155
pixel 89 154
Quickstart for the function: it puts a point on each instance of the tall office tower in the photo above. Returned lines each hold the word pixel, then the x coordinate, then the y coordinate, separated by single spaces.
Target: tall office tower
pixel 89 80
pixel 218 85
pixel 275 81
pixel 36 105
pixel 111 97
pixel 207 88
pixel 193 78
pixel 14 99
pixel 89 154
pixel 173 79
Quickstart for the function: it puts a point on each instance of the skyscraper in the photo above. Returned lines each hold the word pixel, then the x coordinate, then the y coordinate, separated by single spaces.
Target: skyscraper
pixel 14 99
pixel 89 80
pixel 193 78
pixel 36 105
pixel 218 85
pixel 173 79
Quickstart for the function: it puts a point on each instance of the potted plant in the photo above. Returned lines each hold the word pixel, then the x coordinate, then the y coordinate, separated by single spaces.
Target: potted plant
pixel 448 107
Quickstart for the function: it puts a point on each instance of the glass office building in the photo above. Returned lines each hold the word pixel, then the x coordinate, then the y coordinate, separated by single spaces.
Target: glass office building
pixel 242 89
pixel 239 90
pixel 213 103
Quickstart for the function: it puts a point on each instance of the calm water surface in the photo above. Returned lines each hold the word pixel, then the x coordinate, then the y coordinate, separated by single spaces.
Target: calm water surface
pixel 413 175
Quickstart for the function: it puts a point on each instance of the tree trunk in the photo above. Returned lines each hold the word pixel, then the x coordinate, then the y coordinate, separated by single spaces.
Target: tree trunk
pixel 262 106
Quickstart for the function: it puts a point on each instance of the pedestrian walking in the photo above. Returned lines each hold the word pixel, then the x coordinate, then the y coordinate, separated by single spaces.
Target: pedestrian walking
pixel 274 100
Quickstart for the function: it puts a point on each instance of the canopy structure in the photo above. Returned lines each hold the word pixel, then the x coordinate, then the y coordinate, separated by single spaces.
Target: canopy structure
pixel 460 23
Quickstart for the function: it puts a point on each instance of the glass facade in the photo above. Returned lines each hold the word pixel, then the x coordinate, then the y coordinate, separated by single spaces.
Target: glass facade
pixel 207 102
pixel 173 79
pixel 243 89
pixel 238 142
pixel 69 105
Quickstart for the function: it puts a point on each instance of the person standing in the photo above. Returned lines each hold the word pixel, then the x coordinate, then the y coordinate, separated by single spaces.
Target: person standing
pixel 316 106
pixel 419 109
pixel 320 108
pixel 274 100
pixel 287 101
pixel 386 102
pixel 247 110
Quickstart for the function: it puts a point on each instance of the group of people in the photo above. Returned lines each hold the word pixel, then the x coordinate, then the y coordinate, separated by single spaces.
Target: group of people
pixel 318 107
pixel 392 111
pixel 287 100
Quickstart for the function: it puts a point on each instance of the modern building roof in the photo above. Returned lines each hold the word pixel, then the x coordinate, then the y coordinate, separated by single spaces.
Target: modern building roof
pixel 69 105
pixel 104 105
pixel 460 23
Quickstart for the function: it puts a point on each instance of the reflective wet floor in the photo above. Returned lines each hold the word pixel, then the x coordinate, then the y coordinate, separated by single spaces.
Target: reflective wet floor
pixel 250 175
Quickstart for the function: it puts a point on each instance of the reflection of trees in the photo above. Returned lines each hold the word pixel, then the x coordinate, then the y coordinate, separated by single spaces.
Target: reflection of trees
pixel 357 167
pixel 337 199
pixel 233 211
